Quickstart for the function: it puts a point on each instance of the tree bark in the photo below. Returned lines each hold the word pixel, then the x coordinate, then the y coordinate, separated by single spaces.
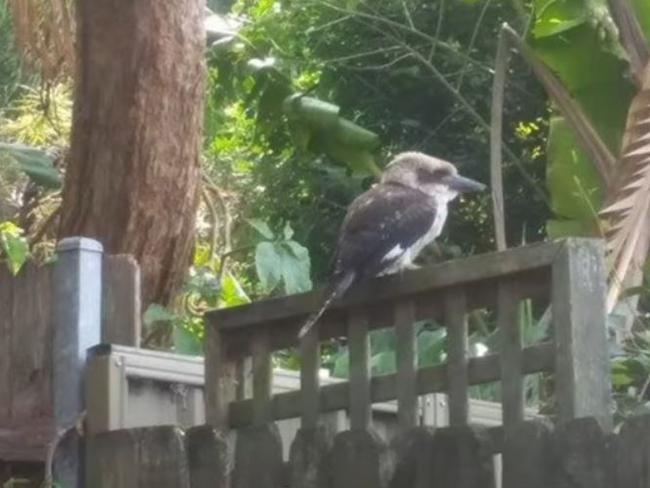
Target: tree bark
pixel 133 175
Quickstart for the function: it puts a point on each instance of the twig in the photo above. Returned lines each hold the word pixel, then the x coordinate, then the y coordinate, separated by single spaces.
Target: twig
pixel 496 142
pixel 422 35
pixel 38 235
pixel 480 121
pixel 407 14
pixel 214 221
pixel 77 425
pixel 441 15
pixel 463 70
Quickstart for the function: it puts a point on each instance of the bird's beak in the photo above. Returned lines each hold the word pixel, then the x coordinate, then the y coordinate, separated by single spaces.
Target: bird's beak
pixel 463 185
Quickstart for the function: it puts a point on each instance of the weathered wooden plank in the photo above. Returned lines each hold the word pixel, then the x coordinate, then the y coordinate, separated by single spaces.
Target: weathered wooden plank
pixel 309 379
pixel 456 273
pixel 24 441
pixel 432 379
pixel 209 457
pixel 633 456
pixel 457 364
pixel 583 455
pixel 359 459
pixel 308 457
pixel 406 358
pixel 262 377
pixel 462 458
pixel 220 379
pixel 121 304
pixel 104 394
pixel 31 343
pixel 258 457
pixel 152 457
pixel 359 350
pixel 428 305
pixel 6 330
pixel 582 378
pixel 528 456
pixel 413 451
pixel 512 375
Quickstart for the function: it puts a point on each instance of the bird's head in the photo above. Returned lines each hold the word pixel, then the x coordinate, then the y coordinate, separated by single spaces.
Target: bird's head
pixel 430 175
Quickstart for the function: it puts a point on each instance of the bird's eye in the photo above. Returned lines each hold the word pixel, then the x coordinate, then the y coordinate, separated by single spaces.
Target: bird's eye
pixel 428 176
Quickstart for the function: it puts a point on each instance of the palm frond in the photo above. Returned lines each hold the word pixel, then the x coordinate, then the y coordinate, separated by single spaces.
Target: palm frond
pixel 627 206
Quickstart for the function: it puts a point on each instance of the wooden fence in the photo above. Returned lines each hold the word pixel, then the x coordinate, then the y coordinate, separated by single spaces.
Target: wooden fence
pixel 576 454
pixel 567 275
pixel 49 316
pixel 241 446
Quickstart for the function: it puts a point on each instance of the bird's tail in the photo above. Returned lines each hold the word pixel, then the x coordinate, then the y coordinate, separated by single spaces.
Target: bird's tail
pixel 334 291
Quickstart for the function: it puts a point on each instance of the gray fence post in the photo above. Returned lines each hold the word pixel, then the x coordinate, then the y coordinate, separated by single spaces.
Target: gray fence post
pixel 582 377
pixel 77 326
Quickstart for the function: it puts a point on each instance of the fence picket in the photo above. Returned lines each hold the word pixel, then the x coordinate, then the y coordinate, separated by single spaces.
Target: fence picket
pixel 462 458
pixel 359 350
pixel 359 459
pixel 151 457
pixel 583 455
pixel 258 457
pixel 456 322
pixel 407 397
pixel 209 458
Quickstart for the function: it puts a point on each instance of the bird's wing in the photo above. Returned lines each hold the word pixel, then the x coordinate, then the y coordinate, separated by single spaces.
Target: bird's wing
pixel 380 225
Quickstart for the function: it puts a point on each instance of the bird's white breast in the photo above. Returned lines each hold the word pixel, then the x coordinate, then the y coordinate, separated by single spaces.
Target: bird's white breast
pixel 405 257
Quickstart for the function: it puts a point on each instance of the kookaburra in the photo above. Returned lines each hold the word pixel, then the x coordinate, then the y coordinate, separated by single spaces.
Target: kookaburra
pixel 387 226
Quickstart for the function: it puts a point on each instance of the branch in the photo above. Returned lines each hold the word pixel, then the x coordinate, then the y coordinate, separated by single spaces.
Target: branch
pixel 496 141
pixel 632 37
pixel 479 21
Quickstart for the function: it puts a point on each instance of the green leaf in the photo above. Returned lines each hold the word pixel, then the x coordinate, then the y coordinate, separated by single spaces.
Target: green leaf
pixel 296 267
pixel 185 342
pixel 34 163
pixel 557 16
pixel 383 363
pixel 232 293
pixel 313 111
pixel 342 364
pixel 14 246
pixel 157 313
pixel 573 183
pixel 431 346
pixel 261 227
pixel 351 134
pixel 268 264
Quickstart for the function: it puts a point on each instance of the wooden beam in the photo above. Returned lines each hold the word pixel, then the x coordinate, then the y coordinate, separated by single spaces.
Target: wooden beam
pixel 512 376
pixel 359 350
pixel 457 368
pixel 458 272
pixel 309 379
pixel 433 379
pixel 407 398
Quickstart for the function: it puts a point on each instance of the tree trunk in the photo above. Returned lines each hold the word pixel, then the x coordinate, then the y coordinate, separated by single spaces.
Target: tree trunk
pixel 133 175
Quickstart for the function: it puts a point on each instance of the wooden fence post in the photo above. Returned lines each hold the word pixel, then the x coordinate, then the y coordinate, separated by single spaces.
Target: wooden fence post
pixel 77 327
pixel 580 329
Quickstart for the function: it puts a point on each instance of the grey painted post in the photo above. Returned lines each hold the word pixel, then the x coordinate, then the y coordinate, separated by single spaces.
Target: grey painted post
pixel 582 379
pixel 77 326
